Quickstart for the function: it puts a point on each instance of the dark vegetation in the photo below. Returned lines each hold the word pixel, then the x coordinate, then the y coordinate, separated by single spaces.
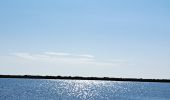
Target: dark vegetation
pixel 85 78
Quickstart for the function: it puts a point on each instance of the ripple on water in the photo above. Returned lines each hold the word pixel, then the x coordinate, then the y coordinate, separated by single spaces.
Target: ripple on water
pixel 14 89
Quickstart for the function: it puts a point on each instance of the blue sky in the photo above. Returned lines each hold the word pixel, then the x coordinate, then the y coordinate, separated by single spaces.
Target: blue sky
pixel 114 38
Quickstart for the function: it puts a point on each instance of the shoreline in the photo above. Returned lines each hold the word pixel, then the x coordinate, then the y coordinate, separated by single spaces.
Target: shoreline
pixel 85 78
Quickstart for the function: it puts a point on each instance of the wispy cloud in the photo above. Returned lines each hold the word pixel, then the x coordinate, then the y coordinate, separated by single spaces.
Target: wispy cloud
pixel 69 54
pixel 60 63
pixel 25 56
pixel 65 58
pixel 57 53
pixel 53 55
pixel 86 56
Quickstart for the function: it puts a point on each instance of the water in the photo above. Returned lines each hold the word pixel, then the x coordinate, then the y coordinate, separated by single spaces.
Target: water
pixel 30 89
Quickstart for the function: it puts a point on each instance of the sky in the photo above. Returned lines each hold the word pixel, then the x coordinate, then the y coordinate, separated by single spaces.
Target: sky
pixel 100 38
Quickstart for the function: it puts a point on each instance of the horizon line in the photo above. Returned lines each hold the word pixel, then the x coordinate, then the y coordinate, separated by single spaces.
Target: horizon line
pixel 85 78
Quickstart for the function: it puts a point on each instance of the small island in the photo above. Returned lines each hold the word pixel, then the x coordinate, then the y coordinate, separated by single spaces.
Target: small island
pixel 85 78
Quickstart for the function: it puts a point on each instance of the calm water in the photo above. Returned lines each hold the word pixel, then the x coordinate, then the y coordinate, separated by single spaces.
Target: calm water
pixel 29 89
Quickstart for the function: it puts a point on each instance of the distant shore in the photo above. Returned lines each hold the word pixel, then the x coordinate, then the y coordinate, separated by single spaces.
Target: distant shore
pixel 85 78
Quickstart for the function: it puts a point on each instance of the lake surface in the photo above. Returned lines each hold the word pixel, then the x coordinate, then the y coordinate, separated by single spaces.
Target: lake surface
pixel 31 89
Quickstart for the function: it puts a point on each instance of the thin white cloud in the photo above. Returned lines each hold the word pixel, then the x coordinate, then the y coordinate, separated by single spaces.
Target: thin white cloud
pixel 87 56
pixel 57 53
pixel 25 56
pixel 69 55
pixel 67 59
pixel 52 64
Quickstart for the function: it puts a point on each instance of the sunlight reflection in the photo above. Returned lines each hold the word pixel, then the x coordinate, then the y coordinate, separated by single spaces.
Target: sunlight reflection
pixel 83 89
